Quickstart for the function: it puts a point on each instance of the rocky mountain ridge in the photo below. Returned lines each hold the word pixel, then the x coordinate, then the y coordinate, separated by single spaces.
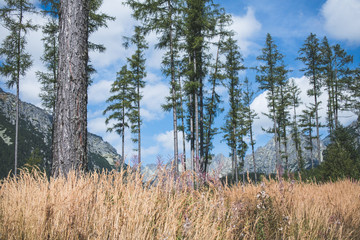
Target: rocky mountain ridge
pixel 264 156
pixel 35 131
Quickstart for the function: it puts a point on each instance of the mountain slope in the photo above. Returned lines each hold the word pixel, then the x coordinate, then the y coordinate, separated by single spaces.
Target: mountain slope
pixel 35 133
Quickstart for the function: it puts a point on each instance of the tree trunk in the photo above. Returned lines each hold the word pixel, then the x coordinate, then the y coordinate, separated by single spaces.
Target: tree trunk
pixel 18 90
pixel 236 172
pixel 183 126
pixel 173 91
pixel 17 126
pixel 192 131
pixel 123 138
pixel 196 122
pixel 211 113
pixel 70 123
pixel 277 150
pixel 317 123
pixel 252 148
pixel 139 127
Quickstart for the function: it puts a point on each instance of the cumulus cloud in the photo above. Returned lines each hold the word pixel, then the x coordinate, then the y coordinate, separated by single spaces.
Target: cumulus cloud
pixel 97 125
pixel 165 141
pixel 153 96
pixel 246 27
pixel 342 19
pixel 259 105
pixel 99 92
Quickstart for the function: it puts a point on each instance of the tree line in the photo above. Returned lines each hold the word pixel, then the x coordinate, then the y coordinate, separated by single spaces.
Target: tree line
pixel 187 31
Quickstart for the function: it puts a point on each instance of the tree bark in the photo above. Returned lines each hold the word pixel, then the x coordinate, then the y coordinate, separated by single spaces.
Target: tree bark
pixel 173 92
pixel 70 123
pixel 252 147
pixel 183 126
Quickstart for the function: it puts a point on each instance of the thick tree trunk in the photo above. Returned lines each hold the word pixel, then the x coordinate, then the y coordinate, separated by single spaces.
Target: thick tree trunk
pixel 70 123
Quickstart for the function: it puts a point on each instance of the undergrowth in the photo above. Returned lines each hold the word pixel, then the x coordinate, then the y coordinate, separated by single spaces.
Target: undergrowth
pixel 120 206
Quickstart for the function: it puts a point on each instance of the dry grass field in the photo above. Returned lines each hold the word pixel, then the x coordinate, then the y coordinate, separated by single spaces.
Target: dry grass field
pixel 120 206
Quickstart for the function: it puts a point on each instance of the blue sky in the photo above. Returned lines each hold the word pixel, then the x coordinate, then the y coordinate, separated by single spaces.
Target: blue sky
pixel 288 21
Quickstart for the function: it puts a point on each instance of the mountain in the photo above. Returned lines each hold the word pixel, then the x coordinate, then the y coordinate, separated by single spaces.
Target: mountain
pixel 265 159
pixel 35 134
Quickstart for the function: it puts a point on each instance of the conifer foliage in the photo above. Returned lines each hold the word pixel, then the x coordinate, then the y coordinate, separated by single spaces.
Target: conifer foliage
pixel 16 60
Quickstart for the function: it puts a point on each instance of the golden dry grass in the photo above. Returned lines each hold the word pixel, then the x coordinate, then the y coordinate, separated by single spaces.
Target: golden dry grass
pixel 120 206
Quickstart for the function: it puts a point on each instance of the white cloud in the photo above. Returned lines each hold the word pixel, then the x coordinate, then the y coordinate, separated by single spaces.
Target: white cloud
pixel 246 27
pixel 153 96
pixel 112 37
pixel 166 141
pixel 99 92
pixel 97 125
pixel 342 19
pixel 259 105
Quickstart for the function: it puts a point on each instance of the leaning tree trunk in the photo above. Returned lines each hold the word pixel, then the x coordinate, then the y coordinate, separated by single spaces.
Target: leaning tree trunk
pixel 70 123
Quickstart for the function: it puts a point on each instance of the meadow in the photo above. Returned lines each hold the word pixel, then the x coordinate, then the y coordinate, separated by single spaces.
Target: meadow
pixel 118 205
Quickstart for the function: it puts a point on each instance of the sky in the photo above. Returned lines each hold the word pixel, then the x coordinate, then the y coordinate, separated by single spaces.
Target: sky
pixel 288 21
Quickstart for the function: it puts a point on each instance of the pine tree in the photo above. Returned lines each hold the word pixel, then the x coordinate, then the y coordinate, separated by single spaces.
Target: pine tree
pixel 181 115
pixel 232 121
pixel 341 157
pixel 353 102
pixel 295 101
pixel 269 76
pixel 138 73
pixel 336 75
pixel 16 61
pixel 96 20
pixel 163 17
pixel 198 26
pixel 283 115
pixel 50 58
pixel 120 106
pixel 212 102
pixel 70 123
pixel 307 123
pixel 249 117
pixel 310 55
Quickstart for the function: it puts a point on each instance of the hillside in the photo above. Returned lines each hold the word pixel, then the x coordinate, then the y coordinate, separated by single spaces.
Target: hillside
pixel 35 134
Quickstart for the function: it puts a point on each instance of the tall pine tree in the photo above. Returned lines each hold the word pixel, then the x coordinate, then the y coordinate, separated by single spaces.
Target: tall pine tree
pixel 212 102
pixel 249 117
pixel 232 123
pixel 307 123
pixel 15 60
pixel 270 74
pixel 310 55
pixel 295 102
pixel 120 106
pixel 336 73
pixel 138 73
